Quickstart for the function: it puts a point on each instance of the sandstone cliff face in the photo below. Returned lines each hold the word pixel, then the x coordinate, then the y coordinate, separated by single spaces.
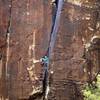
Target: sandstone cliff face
pixel 28 39
pixel 77 27
pixel 4 17
pixel 29 25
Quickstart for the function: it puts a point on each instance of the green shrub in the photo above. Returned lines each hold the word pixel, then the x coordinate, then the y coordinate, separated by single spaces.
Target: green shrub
pixel 92 93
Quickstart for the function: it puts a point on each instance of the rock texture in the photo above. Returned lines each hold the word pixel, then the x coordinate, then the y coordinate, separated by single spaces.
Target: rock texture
pixel 27 37
pixel 4 18
pixel 77 27
pixel 30 25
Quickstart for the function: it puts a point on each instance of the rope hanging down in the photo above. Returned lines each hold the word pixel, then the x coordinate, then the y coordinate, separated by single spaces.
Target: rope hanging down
pixel 47 57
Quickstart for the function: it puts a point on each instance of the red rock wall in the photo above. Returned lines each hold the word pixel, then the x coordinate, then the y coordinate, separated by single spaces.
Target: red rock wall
pixel 77 26
pixel 28 17
pixel 4 18
pixel 30 25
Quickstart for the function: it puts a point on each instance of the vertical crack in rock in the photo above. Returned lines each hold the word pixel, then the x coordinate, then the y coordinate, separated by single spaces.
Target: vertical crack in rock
pixel 54 29
pixel 8 48
pixel 8 37
pixel 0 66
